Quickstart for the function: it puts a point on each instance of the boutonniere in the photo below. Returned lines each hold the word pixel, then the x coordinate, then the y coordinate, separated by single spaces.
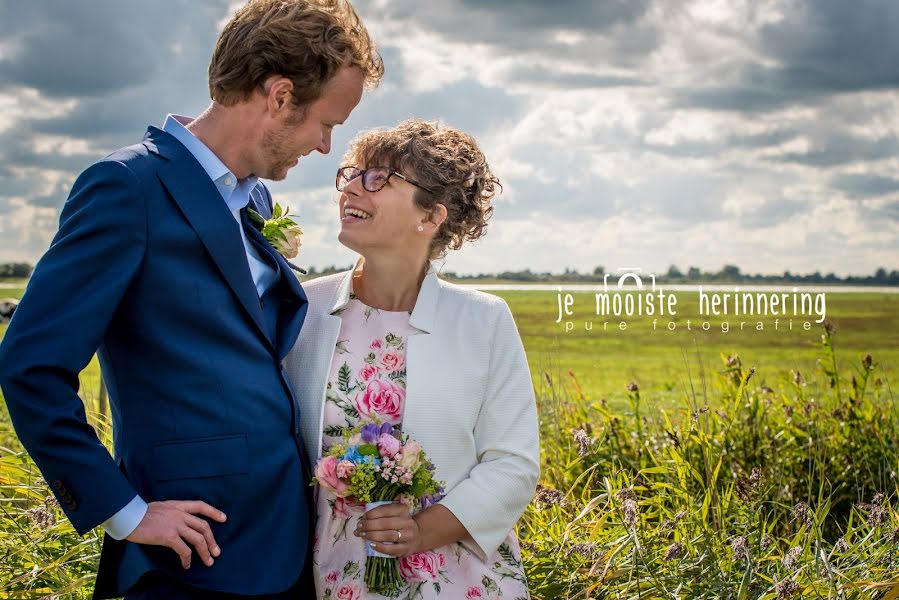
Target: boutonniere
pixel 281 231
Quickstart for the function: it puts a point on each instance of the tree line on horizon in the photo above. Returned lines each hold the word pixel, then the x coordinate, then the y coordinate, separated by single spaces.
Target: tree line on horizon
pixel 727 274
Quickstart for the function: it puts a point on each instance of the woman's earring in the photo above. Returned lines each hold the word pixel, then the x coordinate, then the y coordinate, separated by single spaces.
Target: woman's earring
pixel 421 228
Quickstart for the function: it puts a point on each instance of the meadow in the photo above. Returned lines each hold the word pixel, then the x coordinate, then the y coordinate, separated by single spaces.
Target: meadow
pixel 676 464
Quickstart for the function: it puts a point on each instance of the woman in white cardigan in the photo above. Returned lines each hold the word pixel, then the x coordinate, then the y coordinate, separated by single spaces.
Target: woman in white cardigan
pixel 390 340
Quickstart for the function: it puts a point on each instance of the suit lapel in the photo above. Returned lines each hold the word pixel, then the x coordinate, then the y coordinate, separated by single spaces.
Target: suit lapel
pixel 202 206
pixel 293 299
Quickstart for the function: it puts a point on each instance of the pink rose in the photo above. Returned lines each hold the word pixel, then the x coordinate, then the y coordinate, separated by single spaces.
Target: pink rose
pixel 393 361
pixel 423 566
pixel 345 469
pixel 411 456
pixel 344 507
pixel 381 399
pixel 348 591
pixel 376 345
pixel 326 474
pixel 332 577
pixel 388 445
pixel 474 593
pixel 368 372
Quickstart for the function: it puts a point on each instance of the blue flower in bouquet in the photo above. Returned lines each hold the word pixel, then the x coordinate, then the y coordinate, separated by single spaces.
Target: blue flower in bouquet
pixel 352 454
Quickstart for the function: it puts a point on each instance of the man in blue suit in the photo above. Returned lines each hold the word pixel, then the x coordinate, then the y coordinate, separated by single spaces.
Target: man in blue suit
pixel 157 268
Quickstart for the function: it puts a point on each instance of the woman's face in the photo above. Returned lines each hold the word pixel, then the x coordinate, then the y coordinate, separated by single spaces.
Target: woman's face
pixel 382 222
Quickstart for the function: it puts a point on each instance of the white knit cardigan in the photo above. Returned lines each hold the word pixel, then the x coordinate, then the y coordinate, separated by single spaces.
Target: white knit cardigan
pixel 469 397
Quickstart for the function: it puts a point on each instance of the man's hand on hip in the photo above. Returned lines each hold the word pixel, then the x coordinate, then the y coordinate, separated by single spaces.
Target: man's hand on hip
pixel 174 524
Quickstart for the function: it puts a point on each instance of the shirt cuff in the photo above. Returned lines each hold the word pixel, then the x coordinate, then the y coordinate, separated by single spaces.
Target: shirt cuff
pixel 120 525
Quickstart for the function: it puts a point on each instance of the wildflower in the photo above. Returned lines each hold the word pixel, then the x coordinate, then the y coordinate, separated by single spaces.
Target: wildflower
pixel 675 550
pixel 629 507
pixel 733 361
pixel 766 390
pixel 739 548
pixel 829 327
pixel 786 588
pixel 801 512
pixel 742 489
pixel 765 542
pixel 41 517
pixel 755 476
pixel 548 497
pixel 842 545
pixel 894 536
pixel 625 494
pixel 867 361
pixel 789 559
pixel 583 441
pixel 797 378
pixel 877 515
pixel 585 549
pixel 669 524
pixel 633 387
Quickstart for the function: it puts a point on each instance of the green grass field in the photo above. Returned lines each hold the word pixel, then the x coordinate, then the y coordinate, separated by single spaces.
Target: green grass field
pixel 659 360
pixel 665 364
pixel 633 504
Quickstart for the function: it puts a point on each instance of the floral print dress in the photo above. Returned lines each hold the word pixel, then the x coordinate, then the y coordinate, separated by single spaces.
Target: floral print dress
pixel 368 379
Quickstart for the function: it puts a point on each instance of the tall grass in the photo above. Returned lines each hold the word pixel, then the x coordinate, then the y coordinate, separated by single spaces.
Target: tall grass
pixel 743 492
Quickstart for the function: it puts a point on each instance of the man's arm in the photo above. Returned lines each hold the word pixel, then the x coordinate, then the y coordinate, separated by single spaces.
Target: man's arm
pixel 58 326
pixel 70 301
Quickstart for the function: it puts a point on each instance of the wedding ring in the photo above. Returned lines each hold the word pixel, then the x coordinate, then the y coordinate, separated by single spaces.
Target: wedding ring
pixel 399 535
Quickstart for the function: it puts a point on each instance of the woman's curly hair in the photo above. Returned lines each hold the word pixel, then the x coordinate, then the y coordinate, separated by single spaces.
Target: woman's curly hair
pixel 446 161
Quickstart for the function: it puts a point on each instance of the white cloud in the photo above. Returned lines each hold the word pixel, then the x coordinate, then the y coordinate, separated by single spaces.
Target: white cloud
pixel 754 132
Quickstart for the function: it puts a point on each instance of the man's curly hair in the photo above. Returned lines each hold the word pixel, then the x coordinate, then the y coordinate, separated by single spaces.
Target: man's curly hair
pixel 307 41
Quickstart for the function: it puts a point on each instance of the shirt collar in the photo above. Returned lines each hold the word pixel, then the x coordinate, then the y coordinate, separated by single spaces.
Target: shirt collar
pixel 224 179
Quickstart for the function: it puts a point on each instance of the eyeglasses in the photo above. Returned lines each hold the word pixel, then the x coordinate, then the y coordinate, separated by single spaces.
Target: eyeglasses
pixel 373 178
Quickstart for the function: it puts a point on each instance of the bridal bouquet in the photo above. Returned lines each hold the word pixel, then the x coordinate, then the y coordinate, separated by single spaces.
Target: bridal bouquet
pixel 375 464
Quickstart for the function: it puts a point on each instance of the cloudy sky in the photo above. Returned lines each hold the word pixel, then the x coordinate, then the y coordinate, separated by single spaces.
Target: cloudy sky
pixel 637 133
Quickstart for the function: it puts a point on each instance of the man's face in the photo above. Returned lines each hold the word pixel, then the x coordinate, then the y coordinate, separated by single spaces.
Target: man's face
pixel 300 132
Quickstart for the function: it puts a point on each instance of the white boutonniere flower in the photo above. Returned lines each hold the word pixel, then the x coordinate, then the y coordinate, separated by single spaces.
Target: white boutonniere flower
pixel 281 231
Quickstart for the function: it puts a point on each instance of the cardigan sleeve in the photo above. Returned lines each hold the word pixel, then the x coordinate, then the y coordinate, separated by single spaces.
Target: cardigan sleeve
pixel 493 497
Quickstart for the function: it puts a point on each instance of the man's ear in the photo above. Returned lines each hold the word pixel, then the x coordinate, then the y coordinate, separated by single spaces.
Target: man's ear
pixel 278 93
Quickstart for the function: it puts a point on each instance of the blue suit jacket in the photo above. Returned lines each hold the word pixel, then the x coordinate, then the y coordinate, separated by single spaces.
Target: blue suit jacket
pixel 148 269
